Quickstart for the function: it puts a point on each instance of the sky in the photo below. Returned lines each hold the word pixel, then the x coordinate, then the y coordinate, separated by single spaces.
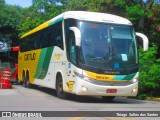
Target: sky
pixel 22 3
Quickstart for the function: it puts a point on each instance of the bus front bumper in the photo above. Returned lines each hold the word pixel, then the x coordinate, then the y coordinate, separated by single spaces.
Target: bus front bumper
pixel 87 88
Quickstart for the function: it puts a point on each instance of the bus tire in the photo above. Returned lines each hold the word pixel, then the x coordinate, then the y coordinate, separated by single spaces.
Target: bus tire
pixel 24 83
pixel 28 85
pixel 108 98
pixel 24 79
pixel 59 87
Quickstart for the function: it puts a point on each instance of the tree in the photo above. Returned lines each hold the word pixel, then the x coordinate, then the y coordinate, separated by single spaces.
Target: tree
pixel 10 21
pixel 149 82
pixel 33 17
pixel 76 5
pixel 41 4
pixel 152 26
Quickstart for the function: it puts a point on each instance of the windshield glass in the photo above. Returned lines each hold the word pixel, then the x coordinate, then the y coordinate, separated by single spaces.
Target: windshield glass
pixel 108 47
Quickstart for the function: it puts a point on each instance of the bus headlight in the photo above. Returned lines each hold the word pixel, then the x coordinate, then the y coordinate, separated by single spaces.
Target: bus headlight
pixel 135 80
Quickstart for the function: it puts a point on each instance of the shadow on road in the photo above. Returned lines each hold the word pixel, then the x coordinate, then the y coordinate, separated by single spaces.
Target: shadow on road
pixel 90 99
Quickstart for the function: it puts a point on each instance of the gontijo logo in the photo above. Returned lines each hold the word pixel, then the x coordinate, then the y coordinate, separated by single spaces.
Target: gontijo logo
pixel 30 56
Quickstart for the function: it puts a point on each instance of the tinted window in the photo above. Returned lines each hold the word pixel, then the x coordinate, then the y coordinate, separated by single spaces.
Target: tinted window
pixel 51 36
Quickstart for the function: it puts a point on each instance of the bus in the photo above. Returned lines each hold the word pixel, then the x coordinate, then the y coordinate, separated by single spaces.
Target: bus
pixel 82 53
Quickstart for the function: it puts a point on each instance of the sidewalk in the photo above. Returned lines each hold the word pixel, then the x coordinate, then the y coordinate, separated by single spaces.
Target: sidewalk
pixel 8 92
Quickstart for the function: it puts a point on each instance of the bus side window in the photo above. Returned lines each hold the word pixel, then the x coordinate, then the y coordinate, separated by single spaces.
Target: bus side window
pixel 38 40
pixel 31 42
pixel 72 48
pixel 59 41
pixel 50 43
pixel 44 42
pixel 67 24
pixel 58 35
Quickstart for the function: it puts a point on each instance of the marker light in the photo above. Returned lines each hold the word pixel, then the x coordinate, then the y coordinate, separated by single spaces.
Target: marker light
pixel 84 89
pixel 135 80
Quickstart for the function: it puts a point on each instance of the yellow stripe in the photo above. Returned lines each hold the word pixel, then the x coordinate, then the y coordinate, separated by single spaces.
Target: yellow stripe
pixel 102 77
pixel 76 118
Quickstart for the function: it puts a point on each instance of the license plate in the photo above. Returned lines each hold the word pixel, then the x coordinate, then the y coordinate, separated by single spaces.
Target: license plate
pixel 111 91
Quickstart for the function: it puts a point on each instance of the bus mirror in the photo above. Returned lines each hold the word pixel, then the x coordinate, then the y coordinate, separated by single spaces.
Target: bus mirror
pixel 145 40
pixel 77 34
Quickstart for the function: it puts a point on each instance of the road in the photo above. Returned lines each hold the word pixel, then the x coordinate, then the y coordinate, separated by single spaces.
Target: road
pixel 44 99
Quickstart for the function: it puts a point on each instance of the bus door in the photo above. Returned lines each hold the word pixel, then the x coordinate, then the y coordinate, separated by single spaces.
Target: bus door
pixel 71 66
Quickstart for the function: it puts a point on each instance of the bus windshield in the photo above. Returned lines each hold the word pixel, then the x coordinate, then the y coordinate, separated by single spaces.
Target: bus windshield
pixel 108 46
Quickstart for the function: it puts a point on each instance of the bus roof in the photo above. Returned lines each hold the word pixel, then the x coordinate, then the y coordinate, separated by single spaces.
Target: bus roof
pixel 82 15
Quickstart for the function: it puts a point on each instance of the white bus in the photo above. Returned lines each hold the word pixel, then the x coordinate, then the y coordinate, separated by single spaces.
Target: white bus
pixel 82 53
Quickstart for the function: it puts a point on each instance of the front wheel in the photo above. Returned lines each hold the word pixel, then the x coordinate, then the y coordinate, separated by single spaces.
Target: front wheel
pixel 108 98
pixel 59 88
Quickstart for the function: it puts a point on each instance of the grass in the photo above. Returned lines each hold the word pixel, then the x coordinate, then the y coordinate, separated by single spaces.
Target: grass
pixel 153 98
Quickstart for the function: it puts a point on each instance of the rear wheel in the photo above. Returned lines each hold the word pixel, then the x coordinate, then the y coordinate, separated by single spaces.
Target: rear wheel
pixel 108 98
pixel 59 88
pixel 26 81
pixel 28 84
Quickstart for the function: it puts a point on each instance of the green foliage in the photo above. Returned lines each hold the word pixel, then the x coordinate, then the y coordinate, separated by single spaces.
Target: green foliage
pixel 142 96
pixel 33 18
pixel 10 22
pixel 10 16
pixel 119 3
pixel 153 25
pixel 76 5
pixel 134 13
pixel 149 82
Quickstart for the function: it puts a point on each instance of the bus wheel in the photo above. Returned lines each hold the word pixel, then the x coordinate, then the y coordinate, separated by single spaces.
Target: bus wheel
pixel 28 85
pixel 59 88
pixel 24 79
pixel 24 82
pixel 108 98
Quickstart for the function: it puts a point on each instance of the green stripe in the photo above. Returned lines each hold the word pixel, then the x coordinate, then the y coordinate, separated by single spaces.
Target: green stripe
pixel 55 21
pixel 130 76
pixel 43 62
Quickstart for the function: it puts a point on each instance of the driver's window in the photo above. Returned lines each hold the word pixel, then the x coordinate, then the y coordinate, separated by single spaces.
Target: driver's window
pixel 72 48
